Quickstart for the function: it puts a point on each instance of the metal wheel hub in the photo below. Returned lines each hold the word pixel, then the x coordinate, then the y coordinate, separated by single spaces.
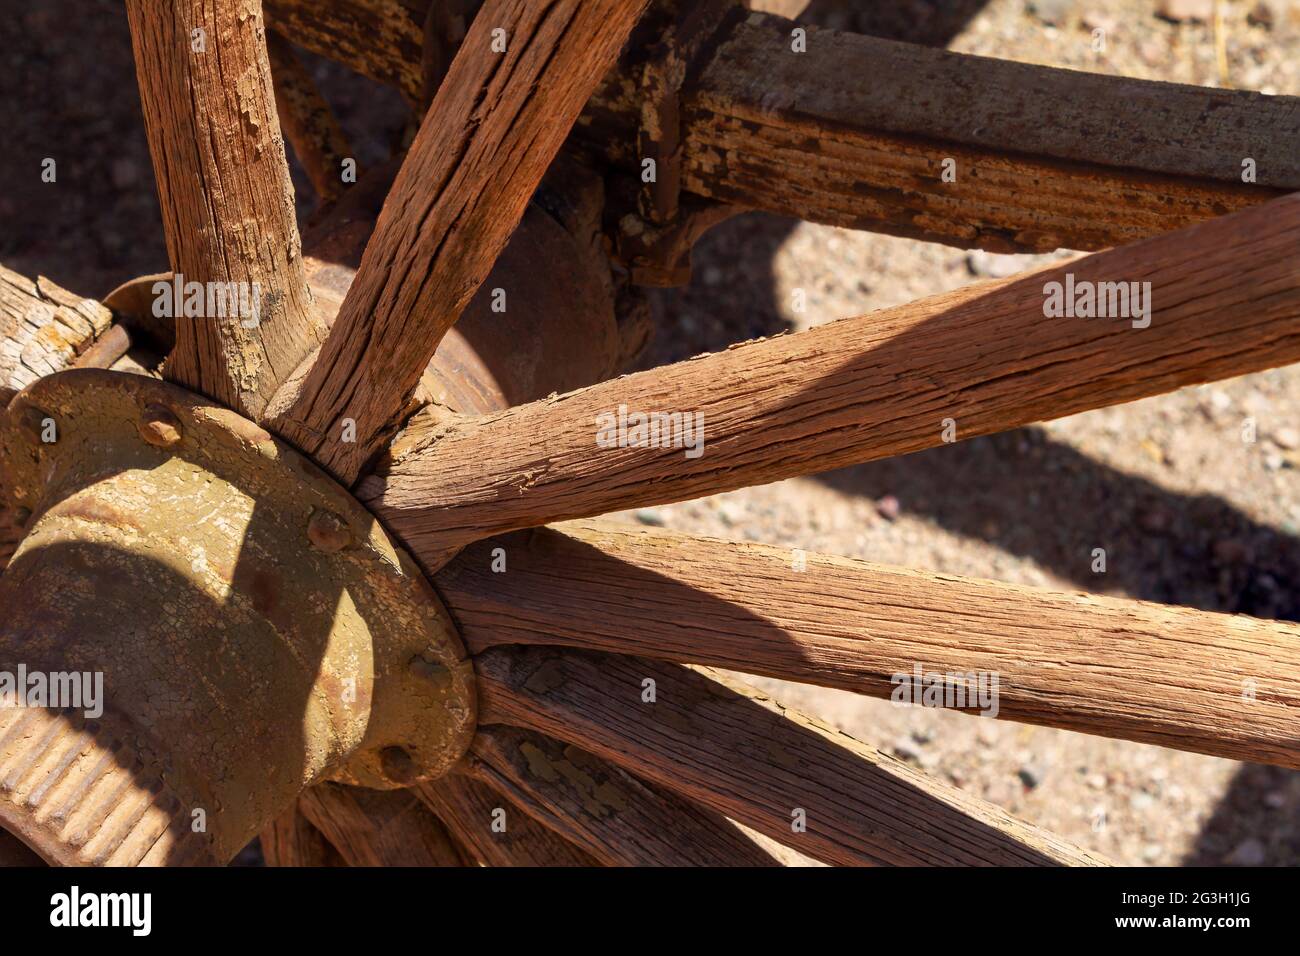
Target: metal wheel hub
pixel 255 629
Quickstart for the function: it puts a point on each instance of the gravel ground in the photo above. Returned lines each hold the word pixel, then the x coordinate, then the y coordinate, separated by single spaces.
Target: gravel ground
pixel 1187 512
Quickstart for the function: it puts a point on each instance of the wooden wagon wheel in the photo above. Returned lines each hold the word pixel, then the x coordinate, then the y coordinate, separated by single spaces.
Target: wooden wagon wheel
pixel 274 661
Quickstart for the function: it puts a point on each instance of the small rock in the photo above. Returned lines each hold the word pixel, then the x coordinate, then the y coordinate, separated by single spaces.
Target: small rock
pixel 1287 438
pixel 922 735
pixel 1096 781
pixel 1095 20
pixel 1249 852
pixel 1052 12
pixel 904 750
pixel 1181 11
pixel 1261 15
pixel 1152 852
pixel 1141 801
pixel 1031 775
pixel 993 265
pixel 651 517
pixel 888 508
pixel 1274 800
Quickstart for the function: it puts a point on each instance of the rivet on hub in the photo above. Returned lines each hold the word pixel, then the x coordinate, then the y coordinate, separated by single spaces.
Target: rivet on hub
pixel 159 426
pixel 32 423
pixel 328 532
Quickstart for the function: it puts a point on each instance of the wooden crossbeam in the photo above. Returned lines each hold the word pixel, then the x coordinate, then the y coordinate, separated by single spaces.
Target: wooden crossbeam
pixel 727 747
pixel 1227 685
pixel 1224 299
pixel 227 201
pixel 855 132
pixel 513 91
pixel 617 818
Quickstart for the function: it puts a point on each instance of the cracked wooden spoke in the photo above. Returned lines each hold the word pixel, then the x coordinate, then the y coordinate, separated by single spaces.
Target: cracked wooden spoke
pixel 1221 684
pixel 1224 298
pixel 617 818
pixel 496 123
pixel 227 202
pixel 729 748
pixel 492 830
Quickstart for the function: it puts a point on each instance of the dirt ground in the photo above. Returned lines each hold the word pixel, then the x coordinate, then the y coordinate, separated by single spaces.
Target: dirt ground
pixel 1187 512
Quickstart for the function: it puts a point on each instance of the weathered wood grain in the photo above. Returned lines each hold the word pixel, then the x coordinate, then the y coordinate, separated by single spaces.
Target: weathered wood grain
pixel 223 184
pixel 855 131
pixel 727 747
pixel 617 818
pixel 1225 300
pixel 468 808
pixel 1227 685
pixel 378 827
pixel 43 329
pixel 495 125
pixel 291 840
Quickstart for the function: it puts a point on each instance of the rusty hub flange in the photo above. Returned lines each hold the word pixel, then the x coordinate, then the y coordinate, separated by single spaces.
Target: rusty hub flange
pixel 255 628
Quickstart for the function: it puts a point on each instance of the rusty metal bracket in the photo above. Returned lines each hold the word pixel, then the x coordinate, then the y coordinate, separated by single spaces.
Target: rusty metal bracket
pixel 255 629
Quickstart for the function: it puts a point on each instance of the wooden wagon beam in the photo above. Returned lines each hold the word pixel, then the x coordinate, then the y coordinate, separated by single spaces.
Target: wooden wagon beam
pixel 1223 299
pixel 513 91
pixel 727 747
pixel 617 818
pixel 492 830
pixel 855 132
pixel 1177 677
pixel 227 201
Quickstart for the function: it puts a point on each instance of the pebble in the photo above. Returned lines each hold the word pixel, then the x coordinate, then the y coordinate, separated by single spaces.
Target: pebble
pixel 888 508
pixel 1096 781
pixel 1031 775
pixel 651 517
pixel 1151 852
pixel 1287 438
pixel 1052 12
pixel 993 265
pixel 1249 852
pixel 1274 800
pixel 1141 801
pixel 1181 11
pixel 1261 15
pixel 922 735
pixel 904 750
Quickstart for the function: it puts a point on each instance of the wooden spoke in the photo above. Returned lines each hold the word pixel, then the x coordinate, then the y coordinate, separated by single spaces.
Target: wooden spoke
pixel 1098 161
pixel 1224 298
pixel 497 122
pixel 618 819
pixel 309 123
pixel 730 749
pixel 1177 677
pixel 378 827
pixel 227 202
pixel 291 840
pixel 43 329
pixel 469 809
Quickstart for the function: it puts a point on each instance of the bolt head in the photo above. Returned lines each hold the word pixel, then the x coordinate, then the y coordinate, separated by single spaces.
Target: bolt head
pixel 328 532
pixel 31 423
pixel 159 426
